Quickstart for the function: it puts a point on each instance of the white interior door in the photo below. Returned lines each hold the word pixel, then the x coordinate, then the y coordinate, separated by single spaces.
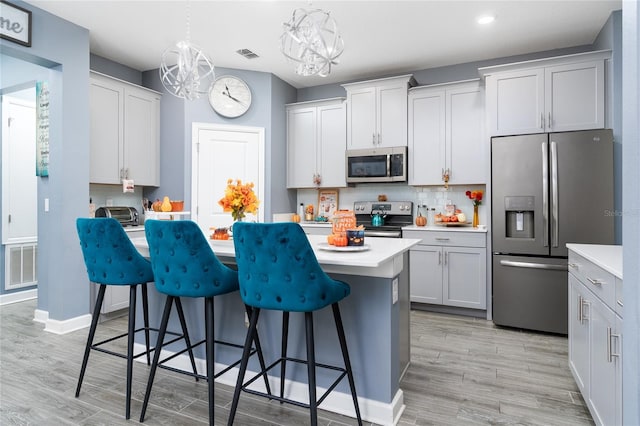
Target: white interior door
pixel 220 153
pixel 20 185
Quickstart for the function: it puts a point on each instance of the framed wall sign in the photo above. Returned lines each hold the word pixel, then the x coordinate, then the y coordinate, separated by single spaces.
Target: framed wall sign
pixel 42 128
pixel 15 23
pixel 327 202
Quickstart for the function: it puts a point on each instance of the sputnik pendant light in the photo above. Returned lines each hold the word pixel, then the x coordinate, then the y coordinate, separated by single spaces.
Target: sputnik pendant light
pixel 185 70
pixel 312 42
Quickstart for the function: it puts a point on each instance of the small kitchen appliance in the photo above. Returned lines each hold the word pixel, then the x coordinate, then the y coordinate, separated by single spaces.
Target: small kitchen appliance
pixel 127 216
pixel 383 219
pixel 377 165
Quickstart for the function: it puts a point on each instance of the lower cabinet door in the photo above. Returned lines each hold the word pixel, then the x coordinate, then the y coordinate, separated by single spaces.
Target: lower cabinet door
pixel 464 281
pixel 578 335
pixel 602 378
pixel 116 297
pixel 425 272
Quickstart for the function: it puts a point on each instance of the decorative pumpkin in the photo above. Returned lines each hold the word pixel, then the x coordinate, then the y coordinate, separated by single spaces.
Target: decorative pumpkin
pixel 166 205
pixel 156 205
pixel 340 240
pixel 330 239
pixel 295 218
pixel 421 220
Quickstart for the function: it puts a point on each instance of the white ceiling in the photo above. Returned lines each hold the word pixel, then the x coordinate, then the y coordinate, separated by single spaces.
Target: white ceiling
pixel 381 37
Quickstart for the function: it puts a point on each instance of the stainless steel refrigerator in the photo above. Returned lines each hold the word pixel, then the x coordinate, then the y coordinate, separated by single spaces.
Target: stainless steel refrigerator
pixel 547 190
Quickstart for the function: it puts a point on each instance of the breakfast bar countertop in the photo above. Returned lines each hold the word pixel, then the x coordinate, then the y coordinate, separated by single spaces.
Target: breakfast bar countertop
pixel 378 258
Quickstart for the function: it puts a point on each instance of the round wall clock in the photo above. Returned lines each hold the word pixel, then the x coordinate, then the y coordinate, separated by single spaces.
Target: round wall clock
pixel 230 96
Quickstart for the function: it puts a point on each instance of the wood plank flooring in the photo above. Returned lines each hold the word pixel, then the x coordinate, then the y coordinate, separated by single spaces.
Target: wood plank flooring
pixel 463 371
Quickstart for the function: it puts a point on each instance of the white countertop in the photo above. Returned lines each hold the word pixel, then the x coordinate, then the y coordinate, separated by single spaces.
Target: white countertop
pixel 440 228
pixel 608 257
pixel 381 260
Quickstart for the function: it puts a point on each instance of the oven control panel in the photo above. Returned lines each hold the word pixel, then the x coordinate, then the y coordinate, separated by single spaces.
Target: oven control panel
pixel 386 207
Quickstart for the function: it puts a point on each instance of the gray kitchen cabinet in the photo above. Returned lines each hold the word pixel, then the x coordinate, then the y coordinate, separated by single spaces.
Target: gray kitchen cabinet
pixel 448 268
pixel 124 132
pixel 446 134
pixel 316 144
pixel 377 112
pixel 548 95
pixel 595 338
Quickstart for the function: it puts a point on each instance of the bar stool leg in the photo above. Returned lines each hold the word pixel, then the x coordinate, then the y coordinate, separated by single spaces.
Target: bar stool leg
pixel 145 315
pixel 156 354
pixel 285 338
pixel 92 333
pixel 256 340
pixel 311 369
pixel 345 356
pixel 133 290
pixel 185 333
pixel 243 364
pixel 209 327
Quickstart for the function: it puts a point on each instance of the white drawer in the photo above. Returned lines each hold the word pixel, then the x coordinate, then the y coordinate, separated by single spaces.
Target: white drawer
pixel 596 279
pixel 444 238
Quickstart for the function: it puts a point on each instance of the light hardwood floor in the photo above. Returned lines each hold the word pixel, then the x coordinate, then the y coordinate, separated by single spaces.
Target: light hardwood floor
pixel 463 371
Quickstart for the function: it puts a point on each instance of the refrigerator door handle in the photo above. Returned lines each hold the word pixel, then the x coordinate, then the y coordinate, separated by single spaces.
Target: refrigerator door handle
pixel 532 265
pixel 545 195
pixel 554 194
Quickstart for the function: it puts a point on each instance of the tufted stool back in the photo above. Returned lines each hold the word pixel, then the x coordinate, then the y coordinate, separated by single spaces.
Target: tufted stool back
pixel 277 269
pixel 109 255
pixel 183 263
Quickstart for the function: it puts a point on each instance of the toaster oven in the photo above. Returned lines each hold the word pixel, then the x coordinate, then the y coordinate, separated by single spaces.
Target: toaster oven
pixel 127 216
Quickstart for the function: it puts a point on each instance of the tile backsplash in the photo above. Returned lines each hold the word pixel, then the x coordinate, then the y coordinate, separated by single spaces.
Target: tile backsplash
pixel 431 196
pixel 101 195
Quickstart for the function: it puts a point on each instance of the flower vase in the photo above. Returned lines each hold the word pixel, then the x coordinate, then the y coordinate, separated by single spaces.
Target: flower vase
pixel 476 220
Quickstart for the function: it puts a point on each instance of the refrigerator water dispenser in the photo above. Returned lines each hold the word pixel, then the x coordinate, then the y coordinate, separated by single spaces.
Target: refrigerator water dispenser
pixel 519 212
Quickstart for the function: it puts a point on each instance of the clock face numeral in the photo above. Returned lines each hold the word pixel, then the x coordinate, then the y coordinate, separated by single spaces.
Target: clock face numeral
pixel 230 96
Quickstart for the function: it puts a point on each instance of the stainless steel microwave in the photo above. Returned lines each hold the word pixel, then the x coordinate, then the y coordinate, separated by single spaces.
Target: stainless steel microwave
pixel 377 165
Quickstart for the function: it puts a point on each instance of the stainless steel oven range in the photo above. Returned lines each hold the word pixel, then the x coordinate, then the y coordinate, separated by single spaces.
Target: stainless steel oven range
pixel 383 218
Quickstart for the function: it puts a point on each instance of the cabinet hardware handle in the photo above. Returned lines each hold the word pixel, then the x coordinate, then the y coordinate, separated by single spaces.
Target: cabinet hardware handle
pixel 585 316
pixel 610 353
pixel 545 194
pixel 572 265
pixel 446 255
pixel 619 302
pixel 440 258
pixel 379 139
pixel 580 309
pixel 549 123
pixel 442 239
pixel 595 281
pixel 542 120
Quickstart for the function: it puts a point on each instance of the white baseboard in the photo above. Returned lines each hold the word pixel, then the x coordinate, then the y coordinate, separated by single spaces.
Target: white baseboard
pixel 67 326
pixel 387 414
pixel 18 296
pixel 41 316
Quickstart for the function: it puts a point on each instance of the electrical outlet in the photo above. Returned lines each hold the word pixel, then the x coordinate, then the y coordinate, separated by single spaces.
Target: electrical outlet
pixel 395 290
pixel 109 202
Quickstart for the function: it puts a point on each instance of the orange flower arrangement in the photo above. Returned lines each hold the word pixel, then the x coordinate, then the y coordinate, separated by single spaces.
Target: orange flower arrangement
pixel 239 199
pixel 475 196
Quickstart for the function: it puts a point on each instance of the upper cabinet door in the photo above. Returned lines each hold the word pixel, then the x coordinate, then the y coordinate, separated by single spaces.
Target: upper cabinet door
pixel 574 96
pixel 362 131
pixel 332 143
pixel 467 149
pixel 392 116
pixel 301 147
pixel 427 135
pixel 515 102
pixel 106 131
pixel 142 136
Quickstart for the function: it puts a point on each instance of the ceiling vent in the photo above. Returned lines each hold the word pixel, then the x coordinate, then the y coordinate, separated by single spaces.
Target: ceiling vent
pixel 247 53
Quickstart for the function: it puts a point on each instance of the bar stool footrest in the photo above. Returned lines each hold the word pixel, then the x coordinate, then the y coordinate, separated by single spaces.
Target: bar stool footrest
pixel 96 346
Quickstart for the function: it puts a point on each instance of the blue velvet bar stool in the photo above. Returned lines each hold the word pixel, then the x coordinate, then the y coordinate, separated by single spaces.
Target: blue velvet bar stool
pixel 277 270
pixel 111 259
pixel 184 265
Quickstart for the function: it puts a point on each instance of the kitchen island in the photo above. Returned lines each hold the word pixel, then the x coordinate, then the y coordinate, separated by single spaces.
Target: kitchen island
pixel 376 322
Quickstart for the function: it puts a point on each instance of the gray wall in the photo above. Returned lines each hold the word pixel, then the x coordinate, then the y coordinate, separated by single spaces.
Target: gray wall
pixel 63 48
pixel 610 38
pixel 631 209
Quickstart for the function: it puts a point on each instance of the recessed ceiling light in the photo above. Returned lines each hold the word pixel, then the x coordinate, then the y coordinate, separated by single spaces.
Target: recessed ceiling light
pixel 486 19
